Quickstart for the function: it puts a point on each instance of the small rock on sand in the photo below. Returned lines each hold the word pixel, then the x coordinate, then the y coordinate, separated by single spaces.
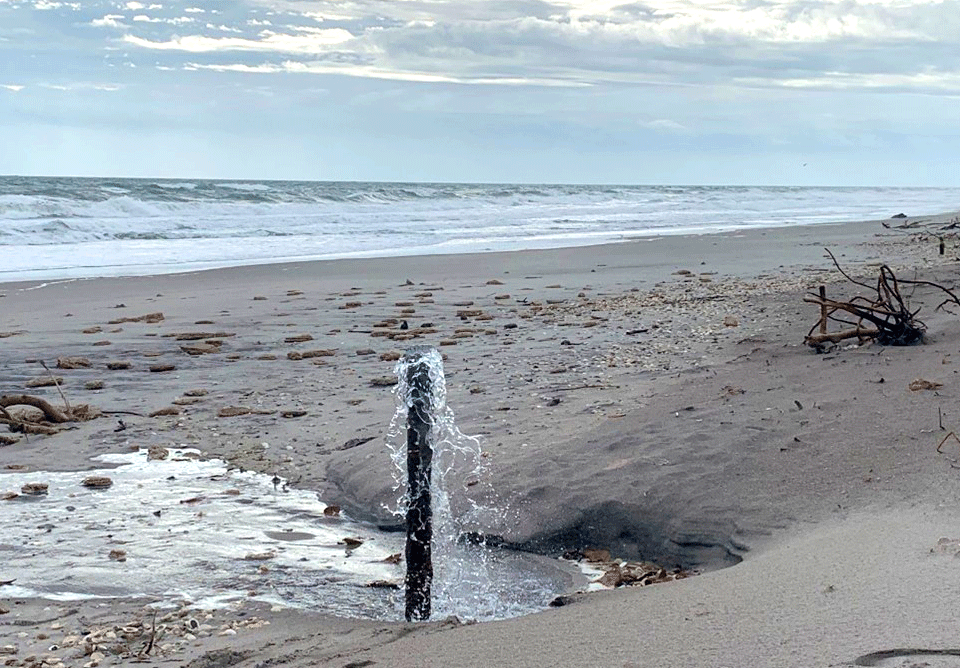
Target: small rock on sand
pixel 157 452
pixel 93 385
pixel 299 338
pixel 390 357
pixel 233 411
pixel 117 555
pixel 200 349
pixel 118 365
pixel 73 363
pixel 160 368
pixel 195 393
pixel 169 410
pixel 292 414
pixel 97 482
pixel 384 381
pixel 44 381
pixel 308 354
pixel 34 489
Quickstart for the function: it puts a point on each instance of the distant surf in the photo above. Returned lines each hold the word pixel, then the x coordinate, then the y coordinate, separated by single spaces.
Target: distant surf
pixel 76 227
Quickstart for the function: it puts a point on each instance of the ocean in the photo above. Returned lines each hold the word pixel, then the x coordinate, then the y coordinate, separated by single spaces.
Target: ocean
pixel 53 228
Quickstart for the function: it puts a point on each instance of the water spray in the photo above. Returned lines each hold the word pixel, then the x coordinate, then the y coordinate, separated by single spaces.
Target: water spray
pixel 419 546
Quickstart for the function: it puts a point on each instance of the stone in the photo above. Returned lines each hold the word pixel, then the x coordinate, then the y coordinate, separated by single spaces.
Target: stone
pixel 196 393
pixel 186 401
pixel 292 413
pixel 157 453
pixel 34 489
pixel 117 555
pixel 308 354
pixel 731 321
pixel 73 363
pixel 233 411
pixel 8 496
pixel 148 318
pixel 332 511
pixel 363 352
pixel 299 338
pixel 494 281
pixel 161 368
pixel 392 356
pixel 384 381
pixel 45 381
pixel 922 384
pixel 169 410
pixel 595 555
pixel 97 482
pixel 200 349
pixel 199 336
pixel 118 365
pixel 93 385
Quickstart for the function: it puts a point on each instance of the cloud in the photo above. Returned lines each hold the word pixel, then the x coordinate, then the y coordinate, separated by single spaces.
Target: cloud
pixel 16 88
pixel 109 21
pixel 316 41
pixel 664 125
pixel 371 72
pixel 772 43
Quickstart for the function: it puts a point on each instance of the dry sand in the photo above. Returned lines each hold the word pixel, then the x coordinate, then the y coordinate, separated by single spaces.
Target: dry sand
pixel 652 398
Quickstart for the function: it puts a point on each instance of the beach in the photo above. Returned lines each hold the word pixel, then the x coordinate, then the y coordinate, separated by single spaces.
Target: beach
pixel 652 398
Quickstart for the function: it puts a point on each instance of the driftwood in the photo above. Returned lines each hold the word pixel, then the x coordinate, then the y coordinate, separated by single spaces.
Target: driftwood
pixel 51 421
pixel 886 318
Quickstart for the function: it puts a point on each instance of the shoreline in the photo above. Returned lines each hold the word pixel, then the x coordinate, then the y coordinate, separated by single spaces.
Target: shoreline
pixel 619 406
pixel 51 276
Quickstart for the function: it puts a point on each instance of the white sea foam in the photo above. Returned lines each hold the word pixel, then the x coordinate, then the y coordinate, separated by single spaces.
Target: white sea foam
pixel 55 228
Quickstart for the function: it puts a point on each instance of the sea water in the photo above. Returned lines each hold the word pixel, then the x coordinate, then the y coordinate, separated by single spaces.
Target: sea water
pixel 76 227
pixel 196 531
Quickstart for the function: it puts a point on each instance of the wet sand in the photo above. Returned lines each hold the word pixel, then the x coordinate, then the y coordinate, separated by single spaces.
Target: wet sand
pixel 652 398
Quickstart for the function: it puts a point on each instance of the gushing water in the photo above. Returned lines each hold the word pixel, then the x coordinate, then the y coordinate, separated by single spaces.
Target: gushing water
pixel 471 580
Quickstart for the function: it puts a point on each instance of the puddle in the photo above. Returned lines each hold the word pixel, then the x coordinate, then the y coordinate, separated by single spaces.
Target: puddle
pixel 191 530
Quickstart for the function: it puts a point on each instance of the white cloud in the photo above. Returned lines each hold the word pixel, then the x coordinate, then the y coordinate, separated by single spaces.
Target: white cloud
pixel 312 43
pixel 134 6
pixel 109 21
pixel 370 72
pixel 176 21
pixel 664 125
pixel 16 88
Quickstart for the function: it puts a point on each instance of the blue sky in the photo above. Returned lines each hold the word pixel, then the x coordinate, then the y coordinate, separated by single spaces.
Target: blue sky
pixel 798 92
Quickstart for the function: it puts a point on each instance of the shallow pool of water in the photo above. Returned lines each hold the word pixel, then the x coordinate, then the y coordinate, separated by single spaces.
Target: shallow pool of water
pixel 186 529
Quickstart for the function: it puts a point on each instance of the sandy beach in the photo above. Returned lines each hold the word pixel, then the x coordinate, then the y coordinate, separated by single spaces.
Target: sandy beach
pixel 653 398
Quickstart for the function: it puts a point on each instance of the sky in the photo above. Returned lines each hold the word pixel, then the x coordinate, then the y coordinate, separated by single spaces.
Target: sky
pixel 785 92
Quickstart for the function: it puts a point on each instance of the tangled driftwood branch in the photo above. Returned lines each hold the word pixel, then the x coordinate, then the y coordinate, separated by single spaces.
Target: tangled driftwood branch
pixel 886 319
pixel 52 418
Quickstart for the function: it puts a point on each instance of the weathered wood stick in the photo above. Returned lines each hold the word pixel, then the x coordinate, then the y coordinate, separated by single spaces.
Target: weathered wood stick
pixel 837 337
pixel 52 413
pixel 823 309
